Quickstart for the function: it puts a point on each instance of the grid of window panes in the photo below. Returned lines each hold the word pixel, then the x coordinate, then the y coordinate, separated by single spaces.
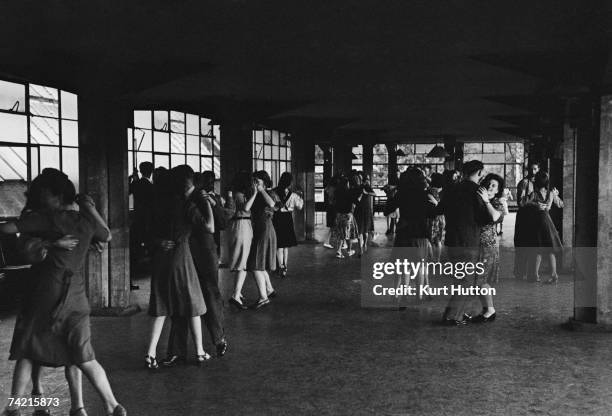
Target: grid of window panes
pixel 505 159
pixel 380 166
pixel 357 158
pixel 415 154
pixel 38 129
pixel 319 160
pixel 271 152
pixel 172 138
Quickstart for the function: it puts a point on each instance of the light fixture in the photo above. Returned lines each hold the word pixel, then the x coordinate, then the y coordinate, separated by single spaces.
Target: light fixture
pixel 354 157
pixel 437 151
pixel 400 153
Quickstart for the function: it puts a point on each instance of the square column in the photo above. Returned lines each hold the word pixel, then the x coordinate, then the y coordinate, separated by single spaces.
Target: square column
pixel 236 152
pixel 302 168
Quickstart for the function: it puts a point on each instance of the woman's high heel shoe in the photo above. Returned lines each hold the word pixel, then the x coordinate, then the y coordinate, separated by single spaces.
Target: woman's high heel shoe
pixel 553 280
pixel 119 411
pixel 151 363
pixel 240 306
pixel 201 359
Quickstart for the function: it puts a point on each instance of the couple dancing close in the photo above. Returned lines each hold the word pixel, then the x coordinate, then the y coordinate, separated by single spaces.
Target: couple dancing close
pixel 184 283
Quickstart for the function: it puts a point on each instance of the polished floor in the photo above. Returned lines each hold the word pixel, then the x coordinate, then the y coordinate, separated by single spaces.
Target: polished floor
pixel 315 350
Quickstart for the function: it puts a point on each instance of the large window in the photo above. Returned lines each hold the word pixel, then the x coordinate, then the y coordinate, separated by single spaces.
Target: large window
pixel 38 129
pixel 319 161
pixel 415 154
pixel 380 166
pixel 172 138
pixel 504 159
pixel 357 158
pixel 271 152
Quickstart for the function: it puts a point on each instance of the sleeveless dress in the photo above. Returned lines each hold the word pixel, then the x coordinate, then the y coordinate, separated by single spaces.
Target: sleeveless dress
pixel 283 220
pixel 53 328
pixel 544 234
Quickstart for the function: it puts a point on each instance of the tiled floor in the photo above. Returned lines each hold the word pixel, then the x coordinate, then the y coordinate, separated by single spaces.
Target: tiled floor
pixel 316 351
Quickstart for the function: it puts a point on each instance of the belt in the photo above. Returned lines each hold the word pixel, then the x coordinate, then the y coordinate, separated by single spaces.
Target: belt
pixel 241 218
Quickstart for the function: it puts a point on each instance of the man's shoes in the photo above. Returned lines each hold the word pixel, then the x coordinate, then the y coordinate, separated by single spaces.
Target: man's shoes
pixel 221 348
pixel 173 360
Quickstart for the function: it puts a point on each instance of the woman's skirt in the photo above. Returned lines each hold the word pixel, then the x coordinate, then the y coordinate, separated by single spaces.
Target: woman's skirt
pixel 240 236
pixel 285 233
pixel 262 256
pixel 345 229
pixel 175 287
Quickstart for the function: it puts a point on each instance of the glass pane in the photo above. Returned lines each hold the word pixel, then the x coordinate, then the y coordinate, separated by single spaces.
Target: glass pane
pixel 70 133
pixel 13 128
pixel 472 148
pixel 69 105
pixel 143 140
pixel 268 167
pixel 177 143
pixel 216 148
pixel 267 134
pixel 217 167
pixel 70 164
pixel 493 158
pixel 206 147
pixel 275 138
pixel 143 157
pixel 193 145
pixel 258 152
pixel 194 162
pixel 161 142
pixel 206 163
pixel 49 157
pixel 160 120
pixel 217 132
pixel 492 147
pixel 142 119
pixel 267 152
pixel 44 130
pixel 13 163
pixel 205 127
pixel 34 162
pixel 130 162
pixel 130 138
pixel 514 152
pixel 275 153
pixel 289 153
pixel 44 101
pixel 177 122
pixel 283 153
pixel 498 169
pixel 177 160
pixel 423 148
pixel 283 139
pixel 161 160
pixel 12 96
pixel 258 136
pixel 193 124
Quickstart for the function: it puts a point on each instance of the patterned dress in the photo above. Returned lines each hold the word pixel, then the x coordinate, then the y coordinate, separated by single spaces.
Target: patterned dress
pixel 489 246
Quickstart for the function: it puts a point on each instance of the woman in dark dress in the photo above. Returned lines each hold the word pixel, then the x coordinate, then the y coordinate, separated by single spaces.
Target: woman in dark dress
pixel 543 233
pixel 364 217
pixel 436 226
pixel 53 328
pixel 288 201
pixel 345 230
pixel 262 257
pixel 175 288
pixel 416 208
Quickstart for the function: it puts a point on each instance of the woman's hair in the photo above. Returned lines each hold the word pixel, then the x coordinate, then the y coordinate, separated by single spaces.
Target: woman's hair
pixel 54 181
pixel 449 175
pixel 501 184
pixel 541 180
pixel 342 183
pixel 264 176
pixel 243 181
pixel 285 180
pixel 437 180
pixel 412 179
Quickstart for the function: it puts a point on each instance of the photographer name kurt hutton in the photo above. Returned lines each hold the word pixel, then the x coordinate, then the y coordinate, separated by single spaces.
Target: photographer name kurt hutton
pixel 405 290
pixel 405 269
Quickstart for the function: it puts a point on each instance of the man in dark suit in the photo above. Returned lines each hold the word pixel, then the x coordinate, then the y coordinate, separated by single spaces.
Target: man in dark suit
pixel 142 223
pixel 208 185
pixel 205 259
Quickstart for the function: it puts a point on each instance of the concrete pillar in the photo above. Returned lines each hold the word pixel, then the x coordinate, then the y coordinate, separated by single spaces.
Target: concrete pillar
pixel 236 152
pixel 368 159
pixel 302 166
pixel 392 154
pixel 604 217
pixel 569 193
pixel 103 175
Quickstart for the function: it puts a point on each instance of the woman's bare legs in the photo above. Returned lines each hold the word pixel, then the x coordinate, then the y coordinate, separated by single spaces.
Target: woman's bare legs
pixel 97 376
pixel 21 378
pixel 260 279
pixel 240 278
pixel 196 332
pixel 74 377
pixel 553 265
pixel 538 261
pixel 285 256
pixel 156 329
pixel 487 301
pixel 280 257
pixel 269 288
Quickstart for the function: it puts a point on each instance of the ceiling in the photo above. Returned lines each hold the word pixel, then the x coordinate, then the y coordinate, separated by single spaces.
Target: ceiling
pixel 338 70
